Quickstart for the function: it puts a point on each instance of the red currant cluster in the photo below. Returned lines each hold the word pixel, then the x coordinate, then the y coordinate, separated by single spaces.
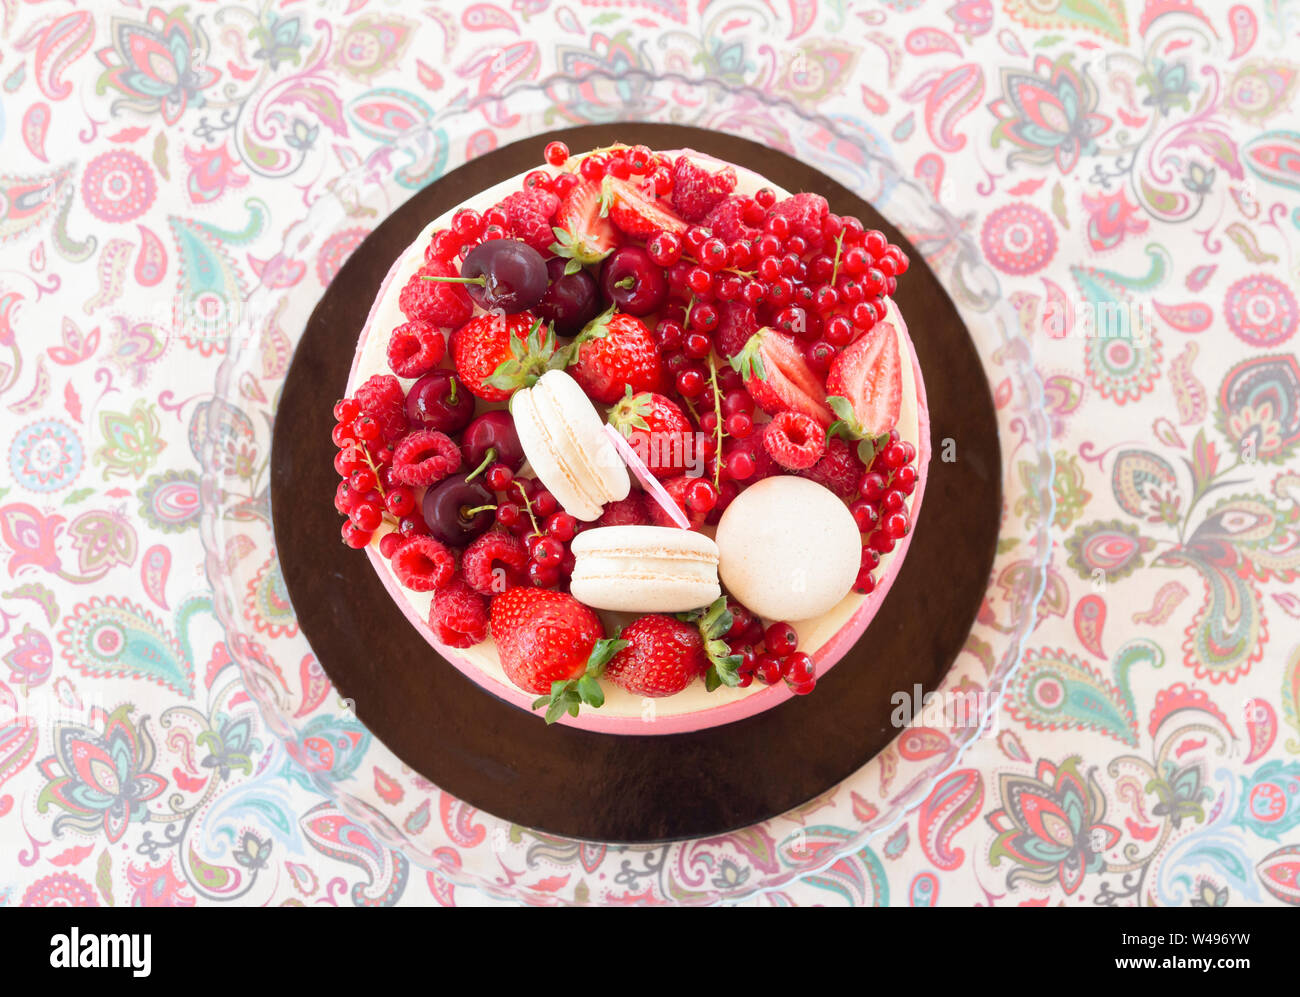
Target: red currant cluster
pixel 769 655
pixel 820 277
pixel 367 495
pixel 622 163
pixel 881 509
pixel 532 514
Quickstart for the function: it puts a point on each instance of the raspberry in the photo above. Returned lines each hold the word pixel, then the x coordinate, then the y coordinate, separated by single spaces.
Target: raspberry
pixel 805 213
pixel 794 440
pixel 422 564
pixel 529 214
pixel 440 303
pixel 425 457
pixel 415 348
pixel 494 562
pixel 459 615
pixel 383 399
pixel 727 221
pixel 676 488
pixel 736 323
pixel 635 510
pixel 839 469
pixel 696 191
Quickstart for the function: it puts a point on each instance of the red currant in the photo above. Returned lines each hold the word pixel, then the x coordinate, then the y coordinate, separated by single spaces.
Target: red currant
pixel 781 639
pixel 400 502
pixel 665 248
pixel 701 496
pixel 353 536
pixel 767 669
pixel 799 669
pixel 346 410
pixel 556 153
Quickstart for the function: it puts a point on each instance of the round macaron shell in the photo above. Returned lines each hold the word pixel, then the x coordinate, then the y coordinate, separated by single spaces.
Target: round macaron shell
pixel 788 549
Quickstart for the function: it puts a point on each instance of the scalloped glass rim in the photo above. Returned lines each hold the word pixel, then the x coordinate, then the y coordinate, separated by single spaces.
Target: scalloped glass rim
pixel 847 150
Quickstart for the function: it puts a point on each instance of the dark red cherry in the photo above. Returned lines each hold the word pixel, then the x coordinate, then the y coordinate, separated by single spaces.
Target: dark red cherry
pixel 456 511
pixel 439 401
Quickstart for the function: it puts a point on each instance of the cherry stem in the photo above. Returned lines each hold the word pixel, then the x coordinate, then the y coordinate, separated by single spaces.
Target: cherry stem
pixel 491 456
pixel 468 514
pixel 451 394
pixel 480 280
pixel 626 283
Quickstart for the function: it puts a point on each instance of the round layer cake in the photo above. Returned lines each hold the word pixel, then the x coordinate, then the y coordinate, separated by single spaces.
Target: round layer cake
pixel 781 510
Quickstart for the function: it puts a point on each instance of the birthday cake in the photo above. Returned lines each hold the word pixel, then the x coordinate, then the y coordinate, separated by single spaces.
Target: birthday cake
pixel 637 439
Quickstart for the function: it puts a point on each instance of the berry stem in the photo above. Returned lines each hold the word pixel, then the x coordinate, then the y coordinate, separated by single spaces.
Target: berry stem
pixel 374 468
pixel 839 248
pixel 528 508
pixel 471 513
pixel 717 414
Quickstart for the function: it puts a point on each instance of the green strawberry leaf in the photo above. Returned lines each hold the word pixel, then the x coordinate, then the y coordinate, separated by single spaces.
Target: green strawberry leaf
pixel 749 361
pixel 569 695
pixel 572 266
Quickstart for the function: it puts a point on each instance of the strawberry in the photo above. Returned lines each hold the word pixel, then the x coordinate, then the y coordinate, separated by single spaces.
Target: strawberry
pixel 778 377
pixel 582 232
pixel 869 374
pixel 664 655
pixel 551 644
pixel 613 352
pixel 636 212
pixel 494 354
pixel 658 431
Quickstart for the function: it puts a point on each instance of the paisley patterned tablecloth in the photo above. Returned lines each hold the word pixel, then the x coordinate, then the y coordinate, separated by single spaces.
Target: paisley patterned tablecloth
pixel 1133 161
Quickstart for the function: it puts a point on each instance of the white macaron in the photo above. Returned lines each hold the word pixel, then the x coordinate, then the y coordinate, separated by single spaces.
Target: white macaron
pixel 644 569
pixel 788 549
pixel 563 437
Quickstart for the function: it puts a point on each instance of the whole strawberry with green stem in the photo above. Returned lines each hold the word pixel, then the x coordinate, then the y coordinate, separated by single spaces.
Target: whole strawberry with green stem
pixel 657 429
pixel 550 643
pixel 662 657
pixel 613 352
pixel 494 354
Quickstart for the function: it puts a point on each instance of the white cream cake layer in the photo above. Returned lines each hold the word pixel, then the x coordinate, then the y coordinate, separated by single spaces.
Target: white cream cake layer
pixel 813 634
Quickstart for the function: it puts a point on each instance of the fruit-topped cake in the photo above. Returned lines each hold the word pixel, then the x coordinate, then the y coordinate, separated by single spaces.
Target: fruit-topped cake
pixel 637 439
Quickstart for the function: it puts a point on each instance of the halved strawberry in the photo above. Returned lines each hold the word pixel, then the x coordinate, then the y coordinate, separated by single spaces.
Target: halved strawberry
pixel 636 212
pixel 869 373
pixel 778 377
pixel 582 232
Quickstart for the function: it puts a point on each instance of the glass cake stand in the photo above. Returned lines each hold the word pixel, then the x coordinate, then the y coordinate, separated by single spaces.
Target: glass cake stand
pixel 394 807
